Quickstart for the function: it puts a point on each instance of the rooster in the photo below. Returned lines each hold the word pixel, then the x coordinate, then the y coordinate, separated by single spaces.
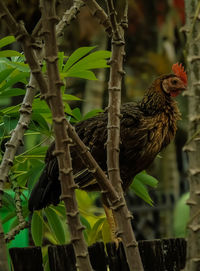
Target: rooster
pixel 146 128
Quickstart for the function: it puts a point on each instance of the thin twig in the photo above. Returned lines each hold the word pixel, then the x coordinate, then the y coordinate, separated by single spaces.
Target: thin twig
pixel 18 205
pixel 11 235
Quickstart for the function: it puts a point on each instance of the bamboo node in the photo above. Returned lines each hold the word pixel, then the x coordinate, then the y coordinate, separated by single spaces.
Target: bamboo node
pixel 132 244
pixel 82 255
pixel 194 228
pixel 67 140
pixel 66 171
pixel 114 89
pixel 48 96
pixel 64 196
pixel 191 202
pixel 57 152
pixel 112 127
pixel 59 83
pixel 9 161
pixel 73 214
pixel 25 111
pixel 10 145
pixel 74 186
pixel 94 170
pixel 51 59
pixel 59 119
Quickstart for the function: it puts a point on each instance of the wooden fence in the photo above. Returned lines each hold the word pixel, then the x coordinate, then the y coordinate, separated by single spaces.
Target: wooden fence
pixel 157 255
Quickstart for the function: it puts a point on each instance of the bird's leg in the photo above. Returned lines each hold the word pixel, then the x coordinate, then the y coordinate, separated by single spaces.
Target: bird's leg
pixel 112 225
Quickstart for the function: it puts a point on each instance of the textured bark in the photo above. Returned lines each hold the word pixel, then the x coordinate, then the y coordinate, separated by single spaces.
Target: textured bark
pixel 62 150
pixel 121 214
pixel 193 147
pixel 100 14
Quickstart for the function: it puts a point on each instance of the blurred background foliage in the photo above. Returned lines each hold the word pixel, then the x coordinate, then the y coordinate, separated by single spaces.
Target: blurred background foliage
pixel 154 41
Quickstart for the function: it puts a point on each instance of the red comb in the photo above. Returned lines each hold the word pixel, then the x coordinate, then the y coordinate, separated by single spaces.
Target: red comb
pixel 179 71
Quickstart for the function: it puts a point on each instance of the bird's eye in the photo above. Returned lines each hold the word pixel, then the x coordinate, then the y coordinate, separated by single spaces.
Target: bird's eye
pixel 174 81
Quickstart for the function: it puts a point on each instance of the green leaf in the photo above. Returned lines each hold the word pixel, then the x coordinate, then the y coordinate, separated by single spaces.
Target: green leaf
pixel 7 40
pixel 96 231
pixel 92 61
pixel 147 179
pixel 181 216
pixel 12 92
pixel 89 75
pixel 37 228
pixel 106 232
pixel 69 97
pixel 92 113
pixel 76 113
pixel 55 225
pixel 8 201
pixel 16 65
pixel 17 78
pixel 9 53
pixel 76 55
pixel 39 106
pixel 60 60
pixel 5 74
pixel 141 191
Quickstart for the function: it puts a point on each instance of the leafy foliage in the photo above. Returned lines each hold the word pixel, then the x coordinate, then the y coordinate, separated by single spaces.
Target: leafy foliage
pixel 181 216
pixel 50 223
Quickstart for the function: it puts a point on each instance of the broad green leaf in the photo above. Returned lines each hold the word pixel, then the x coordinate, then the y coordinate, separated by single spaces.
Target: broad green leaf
pixel 12 92
pixel 16 65
pixel 60 60
pixel 69 97
pixel 9 123
pixel 92 113
pixel 76 55
pixel 6 40
pixel 37 151
pixel 18 78
pixel 106 232
pixel 147 179
pixel 85 222
pixel 37 228
pixel 141 191
pixel 5 74
pixel 55 225
pixel 67 109
pixel 8 201
pixel 76 113
pixel 9 216
pixel 39 106
pixel 89 75
pixel 59 209
pixel 9 53
pixel 92 61
pixel 41 121
pixel 181 216
pixel 96 231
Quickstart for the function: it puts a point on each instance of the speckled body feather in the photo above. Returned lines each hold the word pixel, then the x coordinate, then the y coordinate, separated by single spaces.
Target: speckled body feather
pixel 146 128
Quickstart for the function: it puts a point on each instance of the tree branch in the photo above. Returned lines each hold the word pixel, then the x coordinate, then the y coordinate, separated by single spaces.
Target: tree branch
pixel 192 147
pixel 122 215
pixel 68 16
pixel 62 140
pixel 100 14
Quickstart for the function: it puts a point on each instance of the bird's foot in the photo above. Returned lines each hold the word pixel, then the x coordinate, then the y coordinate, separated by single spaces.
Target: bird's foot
pixel 117 240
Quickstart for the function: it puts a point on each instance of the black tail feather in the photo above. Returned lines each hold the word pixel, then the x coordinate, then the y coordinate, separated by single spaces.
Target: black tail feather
pixel 46 191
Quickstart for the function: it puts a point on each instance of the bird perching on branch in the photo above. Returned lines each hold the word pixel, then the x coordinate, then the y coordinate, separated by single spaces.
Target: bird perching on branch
pixel 146 128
